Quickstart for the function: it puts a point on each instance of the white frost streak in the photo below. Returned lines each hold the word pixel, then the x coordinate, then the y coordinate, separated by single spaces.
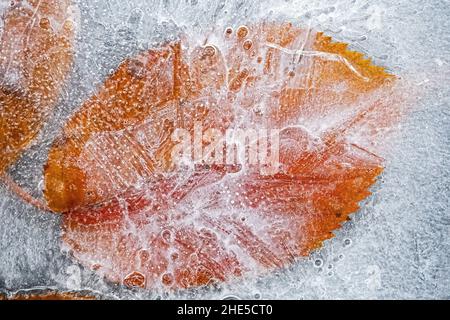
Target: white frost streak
pixel 320 54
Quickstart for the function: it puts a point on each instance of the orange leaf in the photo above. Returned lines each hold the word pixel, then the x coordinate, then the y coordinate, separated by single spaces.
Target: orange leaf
pixel 50 295
pixel 36 53
pixel 130 216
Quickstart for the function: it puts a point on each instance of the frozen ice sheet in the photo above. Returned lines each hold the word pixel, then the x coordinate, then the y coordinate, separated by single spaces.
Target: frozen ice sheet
pixel 396 246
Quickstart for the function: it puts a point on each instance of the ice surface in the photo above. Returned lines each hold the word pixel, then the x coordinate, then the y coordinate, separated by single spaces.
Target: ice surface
pixel 396 246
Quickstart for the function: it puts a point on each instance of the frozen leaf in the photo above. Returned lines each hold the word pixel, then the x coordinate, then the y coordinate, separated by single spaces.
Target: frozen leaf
pixel 48 295
pixel 132 217
pixel 36 53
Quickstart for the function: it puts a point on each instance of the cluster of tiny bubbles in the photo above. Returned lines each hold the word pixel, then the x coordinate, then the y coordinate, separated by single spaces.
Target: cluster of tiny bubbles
pixel 330 270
